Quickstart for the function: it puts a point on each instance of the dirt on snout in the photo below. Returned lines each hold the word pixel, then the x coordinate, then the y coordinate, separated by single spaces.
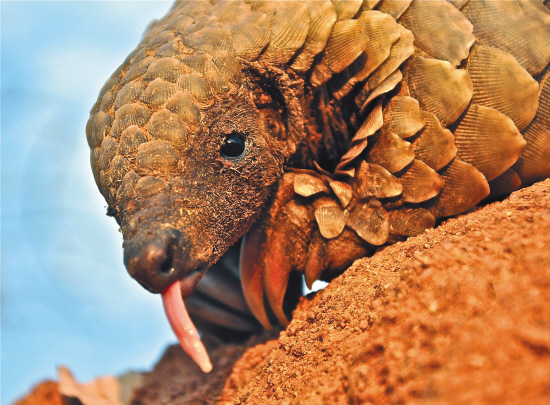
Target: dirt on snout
pixel 458 315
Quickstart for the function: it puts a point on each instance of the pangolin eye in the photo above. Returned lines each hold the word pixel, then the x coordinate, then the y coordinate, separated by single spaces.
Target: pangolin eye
pixel 234 145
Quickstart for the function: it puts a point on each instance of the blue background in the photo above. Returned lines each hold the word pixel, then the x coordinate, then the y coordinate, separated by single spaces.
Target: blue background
pixel 66 298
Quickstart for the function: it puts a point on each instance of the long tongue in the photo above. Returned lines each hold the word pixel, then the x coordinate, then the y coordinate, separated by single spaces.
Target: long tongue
pixel 183 327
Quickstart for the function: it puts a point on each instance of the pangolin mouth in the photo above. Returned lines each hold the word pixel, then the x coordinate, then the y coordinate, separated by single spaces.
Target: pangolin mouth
pixel 181 323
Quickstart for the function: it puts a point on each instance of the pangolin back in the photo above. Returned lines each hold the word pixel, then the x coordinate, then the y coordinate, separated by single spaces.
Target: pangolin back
pixel 385 116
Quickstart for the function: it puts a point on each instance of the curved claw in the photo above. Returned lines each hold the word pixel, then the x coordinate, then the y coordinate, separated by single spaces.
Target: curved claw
pixel 275 274
pixel 265 262
pixel 315 263
pixel 250 267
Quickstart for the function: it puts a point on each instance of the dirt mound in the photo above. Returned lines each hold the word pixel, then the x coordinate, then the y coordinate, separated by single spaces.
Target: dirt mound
pixel 459 314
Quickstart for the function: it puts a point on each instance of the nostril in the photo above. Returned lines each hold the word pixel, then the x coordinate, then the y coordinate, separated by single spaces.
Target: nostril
pixel 167 266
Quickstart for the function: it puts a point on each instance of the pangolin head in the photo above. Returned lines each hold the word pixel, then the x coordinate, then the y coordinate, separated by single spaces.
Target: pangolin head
pixel 185 149
pixel 188 140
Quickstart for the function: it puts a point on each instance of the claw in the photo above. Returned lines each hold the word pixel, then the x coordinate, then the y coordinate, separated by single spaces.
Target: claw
pixel 315 260
pixel 265 262
pixel 275 274
pixel 251 274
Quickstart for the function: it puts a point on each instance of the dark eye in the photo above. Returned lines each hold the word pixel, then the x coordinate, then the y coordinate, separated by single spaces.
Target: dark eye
pixel 234 145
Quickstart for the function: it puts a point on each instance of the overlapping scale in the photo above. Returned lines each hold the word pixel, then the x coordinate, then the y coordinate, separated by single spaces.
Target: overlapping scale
pixel 251 35
pixel 369 4
pixel 439 88
pixel 196 86
pixel 149 185
pixel 403 116
pixel 534 163
pixel 435 145
pixel 395 8
pixel 199 62
pixel 521 28
pixel 383 32
pixel 331 218
pixel 489 140
pixel 168 126
pixel 127 188
pixel 439 29
pixel 464 188
pixel 156 156
pixel 371 222
pixel 458 3
pixel 158 92
pixel 347 41
pixel 107 101
pixel 504 184
pixel 203 21
pixel 179 23
pixel 195 9
pixel 387 85
pixel 289 28
pixel 322 16
pixel 183 104
pixel 209 40
pixel 136 70
pixel 501 83
pixel 343 191
pixel 228 66
pixel 169 50
pixel 99 129
pixel 372 124
pixel 130 139
pixel 420 182
pixel 307 185
pixel 94 163
pixel 108 152
pixel 158 40
pixel 346 9
pixel 372 180
pixel 169 69
pixel 400 51
pixel 107 187
pixel 129 114
pixel 217 83
pixel 128 94
pixel 410 221
pixel 228 11
pixel 391 152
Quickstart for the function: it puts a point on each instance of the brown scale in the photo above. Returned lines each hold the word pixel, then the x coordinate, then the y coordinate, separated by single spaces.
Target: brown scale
pixel 311 134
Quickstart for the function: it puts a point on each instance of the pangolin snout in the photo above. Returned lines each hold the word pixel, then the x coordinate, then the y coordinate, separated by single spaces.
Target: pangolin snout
pixel 157 260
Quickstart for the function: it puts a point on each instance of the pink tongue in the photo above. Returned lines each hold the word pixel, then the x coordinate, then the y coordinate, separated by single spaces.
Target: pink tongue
pixel 183 327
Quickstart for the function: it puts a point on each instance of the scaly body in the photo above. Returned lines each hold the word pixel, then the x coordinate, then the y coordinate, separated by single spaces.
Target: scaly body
pixel 318 130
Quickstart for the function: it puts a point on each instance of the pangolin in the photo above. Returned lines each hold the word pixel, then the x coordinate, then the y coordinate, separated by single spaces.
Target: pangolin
pixel 263 139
